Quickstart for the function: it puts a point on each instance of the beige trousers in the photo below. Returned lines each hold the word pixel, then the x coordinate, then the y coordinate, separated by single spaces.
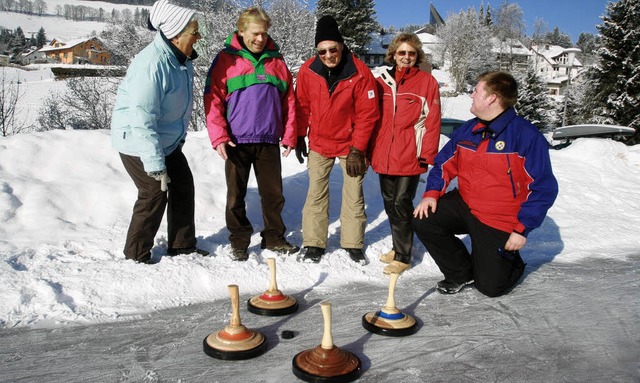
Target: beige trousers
pixel 315 214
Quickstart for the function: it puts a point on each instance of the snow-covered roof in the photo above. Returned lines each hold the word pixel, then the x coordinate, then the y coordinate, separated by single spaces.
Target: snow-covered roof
pixel 552 53
pixel 67 45
pixel 513 46
pixel 379 43
pixel 428 38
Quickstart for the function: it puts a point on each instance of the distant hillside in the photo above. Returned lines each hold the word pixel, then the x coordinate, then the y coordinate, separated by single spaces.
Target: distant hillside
pixel 130 2
pixel 56 26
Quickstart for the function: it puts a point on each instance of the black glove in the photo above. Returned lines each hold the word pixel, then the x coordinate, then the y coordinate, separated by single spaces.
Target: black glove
pixel 423 163
pixel 301 150
pixel 356 164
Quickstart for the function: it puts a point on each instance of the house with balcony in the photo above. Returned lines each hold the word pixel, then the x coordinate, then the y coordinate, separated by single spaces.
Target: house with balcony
pixel 80 51
pixel 555 65
pixel 512 55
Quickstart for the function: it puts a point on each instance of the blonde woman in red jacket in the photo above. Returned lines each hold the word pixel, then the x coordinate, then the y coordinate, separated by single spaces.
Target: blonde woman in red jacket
pixel 405 141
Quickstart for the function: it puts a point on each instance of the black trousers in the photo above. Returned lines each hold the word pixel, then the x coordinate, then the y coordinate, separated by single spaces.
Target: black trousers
pixel 149 208
pixel 493 269
pixel 397 194
pixel 265 159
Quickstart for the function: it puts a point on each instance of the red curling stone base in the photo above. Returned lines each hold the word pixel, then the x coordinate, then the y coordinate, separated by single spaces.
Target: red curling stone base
pixel 272 305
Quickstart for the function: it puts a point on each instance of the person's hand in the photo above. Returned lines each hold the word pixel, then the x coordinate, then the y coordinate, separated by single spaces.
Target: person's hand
pixel 422 210
pixel 356 163
pixel 287 150
pixel 301 150
pixel 423 163
pixel 515 242
pixel 161 176
pixel 222 149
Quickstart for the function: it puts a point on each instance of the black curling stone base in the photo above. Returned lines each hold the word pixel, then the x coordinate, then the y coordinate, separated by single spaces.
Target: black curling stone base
pixel 272 312
pixel 396 332
pixel 234 355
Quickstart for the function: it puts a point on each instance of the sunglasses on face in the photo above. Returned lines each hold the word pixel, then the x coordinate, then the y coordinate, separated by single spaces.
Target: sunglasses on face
pixel 331 50
pixel 410 53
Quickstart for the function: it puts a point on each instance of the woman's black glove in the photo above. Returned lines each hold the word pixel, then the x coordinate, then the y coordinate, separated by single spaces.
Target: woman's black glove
pixel 301 150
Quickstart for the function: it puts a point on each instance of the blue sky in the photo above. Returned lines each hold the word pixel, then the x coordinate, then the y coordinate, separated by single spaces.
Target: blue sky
pixel 571 16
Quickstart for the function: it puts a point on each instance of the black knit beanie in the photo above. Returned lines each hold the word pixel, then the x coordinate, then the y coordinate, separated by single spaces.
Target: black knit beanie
pixel 327 29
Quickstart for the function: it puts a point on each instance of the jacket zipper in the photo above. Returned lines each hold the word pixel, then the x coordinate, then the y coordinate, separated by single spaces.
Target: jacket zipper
pixel 513 185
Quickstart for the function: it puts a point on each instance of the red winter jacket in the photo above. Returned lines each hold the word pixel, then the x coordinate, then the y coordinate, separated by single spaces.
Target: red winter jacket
pixel 410 123
pixel 340 119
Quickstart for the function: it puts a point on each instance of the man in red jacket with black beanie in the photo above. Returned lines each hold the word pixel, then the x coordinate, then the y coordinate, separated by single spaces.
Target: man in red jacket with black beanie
pixel 505 187
pixel 337 109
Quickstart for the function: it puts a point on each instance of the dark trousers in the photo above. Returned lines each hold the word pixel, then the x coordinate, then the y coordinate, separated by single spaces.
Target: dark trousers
pixel 148 209
pixel 397 194
pixel 265 159
pixel 493 269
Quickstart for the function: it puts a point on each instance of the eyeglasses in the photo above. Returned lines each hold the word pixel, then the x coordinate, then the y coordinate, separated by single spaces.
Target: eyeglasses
pixel 331 50
pixel 410 53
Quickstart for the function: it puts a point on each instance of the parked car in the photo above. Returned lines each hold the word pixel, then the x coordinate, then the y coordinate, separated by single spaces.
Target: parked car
pixel 571 132
pixel 448 125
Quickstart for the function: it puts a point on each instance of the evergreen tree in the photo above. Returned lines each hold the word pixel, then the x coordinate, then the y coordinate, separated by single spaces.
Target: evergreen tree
pixel 557 37
pixel 356 20
pixel 589 45
pixel 533 101
pixel 615 83
pixel 17 41
pixel 574 104
pixel 41 38
pixel 488 21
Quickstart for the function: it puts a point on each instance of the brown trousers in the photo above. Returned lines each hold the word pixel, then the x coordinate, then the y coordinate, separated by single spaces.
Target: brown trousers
pixel 265 159
pixel 148 209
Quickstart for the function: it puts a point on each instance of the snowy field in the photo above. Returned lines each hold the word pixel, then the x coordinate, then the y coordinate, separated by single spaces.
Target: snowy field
pixel 73 309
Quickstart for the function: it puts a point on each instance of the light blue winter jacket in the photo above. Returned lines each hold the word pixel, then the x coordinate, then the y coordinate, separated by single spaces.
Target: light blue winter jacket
pixel 153 106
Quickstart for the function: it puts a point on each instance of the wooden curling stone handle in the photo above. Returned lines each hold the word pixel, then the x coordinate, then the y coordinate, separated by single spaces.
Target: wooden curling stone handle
pixel 327 339
pixel 235 306
pixel 273 285
pixel 393 279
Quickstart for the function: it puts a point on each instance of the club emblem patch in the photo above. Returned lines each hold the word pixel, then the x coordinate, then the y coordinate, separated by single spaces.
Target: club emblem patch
pixel 500 145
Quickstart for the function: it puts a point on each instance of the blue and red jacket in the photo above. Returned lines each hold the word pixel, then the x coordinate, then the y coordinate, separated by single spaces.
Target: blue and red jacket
pixel 504 172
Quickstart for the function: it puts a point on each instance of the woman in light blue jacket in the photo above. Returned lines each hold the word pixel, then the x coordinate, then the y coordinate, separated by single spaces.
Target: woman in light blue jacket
pixel 148 128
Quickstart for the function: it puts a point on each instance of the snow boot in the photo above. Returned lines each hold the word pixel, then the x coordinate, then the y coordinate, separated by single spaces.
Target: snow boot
pixel 313 254
pixel 451 287
pixel 387 257
pixel 357 256
pixel 399 264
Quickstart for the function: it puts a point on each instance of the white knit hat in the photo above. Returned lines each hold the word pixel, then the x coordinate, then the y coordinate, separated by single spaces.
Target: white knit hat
pixel 170 19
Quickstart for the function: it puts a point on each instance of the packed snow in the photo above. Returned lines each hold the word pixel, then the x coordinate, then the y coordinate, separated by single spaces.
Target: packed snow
pixel 66 201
